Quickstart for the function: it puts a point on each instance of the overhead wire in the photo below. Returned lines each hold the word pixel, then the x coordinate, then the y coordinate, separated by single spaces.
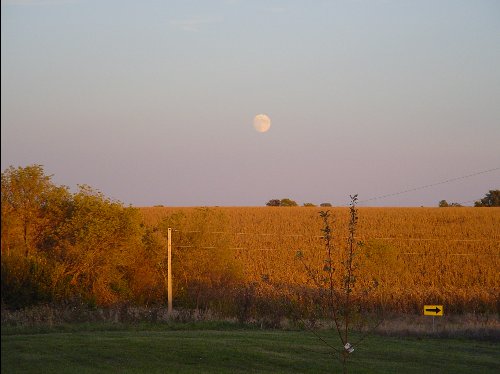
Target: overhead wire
pixel 428 185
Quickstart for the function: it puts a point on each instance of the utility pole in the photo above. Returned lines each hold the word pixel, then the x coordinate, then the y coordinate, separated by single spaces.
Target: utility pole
pixel 169 274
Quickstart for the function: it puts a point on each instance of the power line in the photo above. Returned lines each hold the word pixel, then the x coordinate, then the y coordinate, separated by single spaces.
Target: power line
pixel 429 185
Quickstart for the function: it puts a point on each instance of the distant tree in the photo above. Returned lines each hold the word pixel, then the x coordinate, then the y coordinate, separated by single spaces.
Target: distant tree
pixel 325 205
pixel 309 204
pixel 492 198
pixel 274 202
pixel 443 204
pixel 287 202
pixel 282 202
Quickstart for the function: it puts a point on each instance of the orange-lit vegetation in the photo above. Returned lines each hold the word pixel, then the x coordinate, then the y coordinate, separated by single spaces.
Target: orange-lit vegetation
pixel 59 247
pixel 410 256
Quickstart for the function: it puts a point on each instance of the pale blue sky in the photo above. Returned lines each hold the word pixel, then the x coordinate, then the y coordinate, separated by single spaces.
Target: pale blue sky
pixel 151 102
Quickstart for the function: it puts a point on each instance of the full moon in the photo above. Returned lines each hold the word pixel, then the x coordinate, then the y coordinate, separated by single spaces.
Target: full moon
pixel 261 123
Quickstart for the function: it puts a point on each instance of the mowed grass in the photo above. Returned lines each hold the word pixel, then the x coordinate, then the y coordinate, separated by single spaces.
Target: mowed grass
pixel 164 350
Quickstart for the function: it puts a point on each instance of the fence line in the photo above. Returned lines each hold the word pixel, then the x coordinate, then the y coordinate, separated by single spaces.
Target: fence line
pixel 487 240
pixel 440 239
pixel 494 239
pixel 308 250
pixel 243 233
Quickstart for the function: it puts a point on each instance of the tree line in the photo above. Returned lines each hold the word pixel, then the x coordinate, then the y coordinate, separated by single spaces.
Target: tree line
pixel 59 246
pixel 491 199
pixel 84 248
pixel 289 202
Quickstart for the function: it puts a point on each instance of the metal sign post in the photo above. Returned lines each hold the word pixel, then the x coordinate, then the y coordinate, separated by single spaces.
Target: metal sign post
pixel 433 310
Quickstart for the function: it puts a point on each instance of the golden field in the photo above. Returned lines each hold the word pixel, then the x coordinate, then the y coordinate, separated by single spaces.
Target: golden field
pixel 82 248
pixel 409 256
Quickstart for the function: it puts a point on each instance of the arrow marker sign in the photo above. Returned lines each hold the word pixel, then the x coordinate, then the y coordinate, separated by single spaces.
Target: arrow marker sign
pixel 433 310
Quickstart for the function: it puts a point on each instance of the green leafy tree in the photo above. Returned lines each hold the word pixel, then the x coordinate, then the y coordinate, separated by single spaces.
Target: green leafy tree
pixel 282 202
pixel 443 204
pixel 491 199
pixel 274 202
pixel 309 205
pixel 325 205
pixel 287 202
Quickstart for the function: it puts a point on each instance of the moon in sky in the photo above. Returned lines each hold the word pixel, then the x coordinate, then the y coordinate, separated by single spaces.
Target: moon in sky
pixel 261 122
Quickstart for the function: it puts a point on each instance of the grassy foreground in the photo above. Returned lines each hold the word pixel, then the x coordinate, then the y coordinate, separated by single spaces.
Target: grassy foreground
pixel 218 349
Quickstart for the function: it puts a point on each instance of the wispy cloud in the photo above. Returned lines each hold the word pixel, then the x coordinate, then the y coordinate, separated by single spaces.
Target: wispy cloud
pixel 192 24
pixel 37 2
pixel 276 9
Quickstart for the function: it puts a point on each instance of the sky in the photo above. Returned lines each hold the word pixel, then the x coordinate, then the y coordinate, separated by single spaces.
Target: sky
pixel 152 102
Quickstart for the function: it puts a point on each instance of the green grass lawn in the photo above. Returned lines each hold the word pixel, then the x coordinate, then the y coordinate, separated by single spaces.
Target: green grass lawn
pixel 163 349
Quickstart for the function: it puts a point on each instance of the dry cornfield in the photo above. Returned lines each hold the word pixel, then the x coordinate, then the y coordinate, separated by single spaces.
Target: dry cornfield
pixel 409 256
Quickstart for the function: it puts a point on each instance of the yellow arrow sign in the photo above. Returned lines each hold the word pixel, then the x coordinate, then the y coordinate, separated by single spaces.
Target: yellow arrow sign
pixel 433 310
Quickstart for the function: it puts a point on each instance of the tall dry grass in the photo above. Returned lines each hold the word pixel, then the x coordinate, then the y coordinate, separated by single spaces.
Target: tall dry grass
pixel 410 256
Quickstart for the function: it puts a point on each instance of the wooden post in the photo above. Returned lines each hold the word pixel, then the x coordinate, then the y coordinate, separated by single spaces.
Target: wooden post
pixel 169 264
